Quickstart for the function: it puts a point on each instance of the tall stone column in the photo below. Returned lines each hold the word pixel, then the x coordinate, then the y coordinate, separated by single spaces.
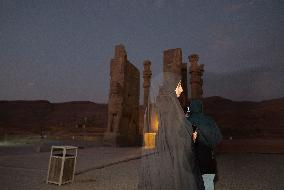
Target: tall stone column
pixel 123 105
pixel 196 71
pixel 183 99
pixel 172 61
pixel 147 73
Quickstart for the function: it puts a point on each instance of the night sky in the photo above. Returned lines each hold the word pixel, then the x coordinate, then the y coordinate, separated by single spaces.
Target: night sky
pixel 60 50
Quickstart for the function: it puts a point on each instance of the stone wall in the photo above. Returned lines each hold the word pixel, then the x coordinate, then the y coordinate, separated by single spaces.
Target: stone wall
pixel 147 73
pixel 172 62
pixel 123 106
pixel 196 72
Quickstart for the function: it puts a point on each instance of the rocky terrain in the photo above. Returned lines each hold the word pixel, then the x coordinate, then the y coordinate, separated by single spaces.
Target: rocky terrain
pixel 104 168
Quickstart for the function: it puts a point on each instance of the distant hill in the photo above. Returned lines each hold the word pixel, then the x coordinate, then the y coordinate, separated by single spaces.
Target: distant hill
pixel 28 117
pixel 247 119
pixel 237 119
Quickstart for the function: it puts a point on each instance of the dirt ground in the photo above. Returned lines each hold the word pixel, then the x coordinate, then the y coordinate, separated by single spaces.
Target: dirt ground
pixel 24 169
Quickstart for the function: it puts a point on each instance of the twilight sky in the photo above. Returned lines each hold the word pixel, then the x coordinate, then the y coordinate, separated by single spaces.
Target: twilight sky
pixel 60 50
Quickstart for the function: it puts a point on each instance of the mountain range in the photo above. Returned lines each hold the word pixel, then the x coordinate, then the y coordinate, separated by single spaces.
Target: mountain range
pixel 241 119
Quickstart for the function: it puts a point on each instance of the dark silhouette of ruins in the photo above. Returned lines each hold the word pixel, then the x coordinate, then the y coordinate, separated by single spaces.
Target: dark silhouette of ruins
pixel 172 62
pixel 147 73
pixel 196 71
pixel 123 107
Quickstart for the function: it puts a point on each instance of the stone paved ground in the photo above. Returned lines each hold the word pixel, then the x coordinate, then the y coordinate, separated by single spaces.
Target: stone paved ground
pixel 237 171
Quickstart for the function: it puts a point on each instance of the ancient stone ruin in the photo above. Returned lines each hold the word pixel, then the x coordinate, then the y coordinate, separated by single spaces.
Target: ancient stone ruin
pixel 196 71
pixel 172 62
pixel 123 106
pixel 147 73
pixel 183 99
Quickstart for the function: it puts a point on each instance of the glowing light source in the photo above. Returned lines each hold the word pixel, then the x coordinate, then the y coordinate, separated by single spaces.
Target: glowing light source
pixel 150 136
pixel 154 122
pixel 149 140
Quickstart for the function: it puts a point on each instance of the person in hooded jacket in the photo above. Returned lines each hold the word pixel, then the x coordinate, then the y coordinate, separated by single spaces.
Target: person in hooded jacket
pixel 206 136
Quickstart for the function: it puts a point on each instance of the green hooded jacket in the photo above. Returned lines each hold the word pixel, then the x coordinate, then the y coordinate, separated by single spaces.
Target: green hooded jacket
pixel 208 132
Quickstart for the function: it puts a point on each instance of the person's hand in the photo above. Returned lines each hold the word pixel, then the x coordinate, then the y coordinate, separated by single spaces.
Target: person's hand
pixel 194 136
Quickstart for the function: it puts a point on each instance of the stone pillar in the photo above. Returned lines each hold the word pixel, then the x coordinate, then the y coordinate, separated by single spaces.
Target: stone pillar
pixel 196 71
pixel 172 61
pixel 183 99
pixel 123 105
pixel 147 81
pixel 117 87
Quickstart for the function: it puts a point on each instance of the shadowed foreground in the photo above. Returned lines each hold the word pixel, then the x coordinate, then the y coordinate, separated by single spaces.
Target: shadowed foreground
pixel 119 168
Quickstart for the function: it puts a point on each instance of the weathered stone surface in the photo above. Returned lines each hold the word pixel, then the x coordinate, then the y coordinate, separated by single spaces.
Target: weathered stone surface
pixel 183 99
pixel 173 60
pixel 196 71
pixel 123 106
pixel 147 73
pixel 173 63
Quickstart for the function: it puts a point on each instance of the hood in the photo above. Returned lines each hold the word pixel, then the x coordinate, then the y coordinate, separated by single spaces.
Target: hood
pixel 196 106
